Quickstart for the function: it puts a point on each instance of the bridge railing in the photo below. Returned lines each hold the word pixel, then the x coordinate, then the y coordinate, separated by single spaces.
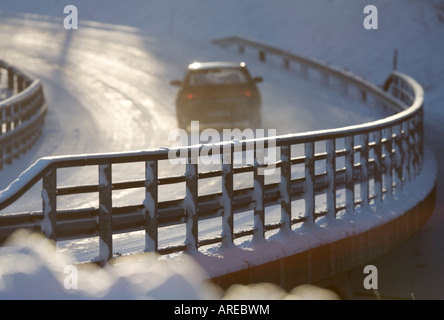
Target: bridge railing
pixel 21 115
pixel 378 158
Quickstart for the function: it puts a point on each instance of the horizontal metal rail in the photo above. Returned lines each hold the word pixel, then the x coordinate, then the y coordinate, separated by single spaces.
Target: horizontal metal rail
pixel 378 158
pixel 21 116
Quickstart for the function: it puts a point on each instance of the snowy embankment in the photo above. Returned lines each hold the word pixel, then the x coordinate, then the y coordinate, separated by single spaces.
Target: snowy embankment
pixel 32 270
pixel 80 70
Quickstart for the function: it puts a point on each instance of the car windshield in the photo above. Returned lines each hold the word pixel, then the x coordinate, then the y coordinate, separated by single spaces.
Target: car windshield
pixel 217 77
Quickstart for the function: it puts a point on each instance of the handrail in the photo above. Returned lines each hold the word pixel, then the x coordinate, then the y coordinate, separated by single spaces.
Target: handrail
pixel 326 69
pixel 390 154
pixel 21 115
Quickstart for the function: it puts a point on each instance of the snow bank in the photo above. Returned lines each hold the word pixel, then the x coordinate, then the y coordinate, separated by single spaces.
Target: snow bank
pixel 32 270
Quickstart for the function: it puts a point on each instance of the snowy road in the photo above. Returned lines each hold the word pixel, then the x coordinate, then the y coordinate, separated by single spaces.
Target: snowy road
pixel 108 88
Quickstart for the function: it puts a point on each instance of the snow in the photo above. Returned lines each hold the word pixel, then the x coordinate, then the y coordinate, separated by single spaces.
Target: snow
pixel 33 271
pixel 123 57
pixel 32 265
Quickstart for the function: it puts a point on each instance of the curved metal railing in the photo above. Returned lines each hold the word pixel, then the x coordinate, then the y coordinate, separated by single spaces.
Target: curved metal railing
pixel 380 158
pixel 21 115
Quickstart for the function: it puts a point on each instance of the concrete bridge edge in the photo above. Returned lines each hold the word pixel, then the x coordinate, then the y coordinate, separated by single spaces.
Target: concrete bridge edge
pixel 326 265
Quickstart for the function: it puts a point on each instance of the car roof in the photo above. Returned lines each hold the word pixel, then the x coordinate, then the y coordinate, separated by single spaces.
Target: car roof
pixel 215 64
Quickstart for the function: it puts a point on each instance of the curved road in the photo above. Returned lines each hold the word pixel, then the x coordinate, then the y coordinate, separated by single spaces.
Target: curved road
pixel 108 91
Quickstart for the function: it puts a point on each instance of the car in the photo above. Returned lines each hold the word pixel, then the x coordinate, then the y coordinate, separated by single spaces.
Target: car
pixel 219 95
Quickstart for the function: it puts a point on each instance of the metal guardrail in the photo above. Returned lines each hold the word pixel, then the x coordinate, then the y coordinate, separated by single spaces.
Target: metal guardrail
pixel 21 116
pixel 380 157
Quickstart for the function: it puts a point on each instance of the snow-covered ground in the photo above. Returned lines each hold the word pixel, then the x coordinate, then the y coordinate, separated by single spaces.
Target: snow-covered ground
pixel 125 59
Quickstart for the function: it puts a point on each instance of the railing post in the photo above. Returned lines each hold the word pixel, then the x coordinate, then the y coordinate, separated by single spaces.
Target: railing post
pixel 388 162
pixel 262 56
pixel 105 213
pixel 258 194
pixel 19 83
pixel 397 158
pixel 405 152
pixel 364 188
pixel 151 206
pixel 349 183
pixel 10 78
pixel 191 204
pixel 412 149
pixel 8 118
pixel 417 140
pixel 285 188
pixel 286 63
pixel 309 193
pixel 364 95
pixel 331 178
pixel 227 197
pixel 49 204
pixel 378 172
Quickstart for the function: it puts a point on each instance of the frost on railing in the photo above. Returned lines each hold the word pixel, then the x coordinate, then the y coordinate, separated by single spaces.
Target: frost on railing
pixel 21 115
pixel 365 164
